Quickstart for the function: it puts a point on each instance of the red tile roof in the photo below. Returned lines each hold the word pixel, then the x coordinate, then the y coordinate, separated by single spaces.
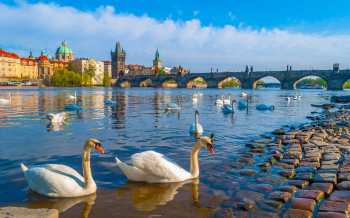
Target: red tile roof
pixel 4 53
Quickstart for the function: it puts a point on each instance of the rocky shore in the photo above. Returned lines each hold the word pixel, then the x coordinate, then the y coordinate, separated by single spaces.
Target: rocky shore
pixel 309 168
pixel 21 212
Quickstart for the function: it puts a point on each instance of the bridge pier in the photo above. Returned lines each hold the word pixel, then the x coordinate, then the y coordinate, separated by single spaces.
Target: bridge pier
pixel 247 84
pixel 335 84
pixel 287 85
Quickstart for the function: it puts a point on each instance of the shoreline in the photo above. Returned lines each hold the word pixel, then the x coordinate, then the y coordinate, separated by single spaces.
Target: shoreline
pixel 310 157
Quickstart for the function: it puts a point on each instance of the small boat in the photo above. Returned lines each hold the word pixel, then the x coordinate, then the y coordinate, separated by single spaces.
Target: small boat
pixel 264 107
pixel 72 107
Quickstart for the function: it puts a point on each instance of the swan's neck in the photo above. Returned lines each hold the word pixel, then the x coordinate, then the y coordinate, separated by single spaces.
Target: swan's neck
pixel 89 181
pixel 196 121
pixel 194 160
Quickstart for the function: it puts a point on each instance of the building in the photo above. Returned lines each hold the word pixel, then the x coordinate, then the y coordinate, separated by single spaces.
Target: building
pixel 157 63
pixel 179 70
pixel 9 66
pixel 118 61
pixel 64 53
pixel 84 64
pixel 108 68
pixel 137 69
pixel 47 67
pixel 28 69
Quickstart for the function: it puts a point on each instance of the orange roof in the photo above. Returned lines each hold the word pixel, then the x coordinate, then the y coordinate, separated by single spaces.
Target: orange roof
pixel 4 53
pixel 28 60
pixel 43 58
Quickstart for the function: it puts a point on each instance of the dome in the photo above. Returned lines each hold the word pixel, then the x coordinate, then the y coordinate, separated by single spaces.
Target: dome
pixel 64 49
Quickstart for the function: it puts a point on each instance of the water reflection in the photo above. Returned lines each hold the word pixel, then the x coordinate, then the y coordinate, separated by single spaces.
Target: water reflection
pixel 61 204
pixel 147 197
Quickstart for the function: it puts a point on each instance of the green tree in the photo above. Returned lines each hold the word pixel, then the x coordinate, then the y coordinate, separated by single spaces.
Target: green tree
pixel 230 83
pixel 346 85
pixel 65 77
pixel 313 82
pixel 106 79
pixel 88 75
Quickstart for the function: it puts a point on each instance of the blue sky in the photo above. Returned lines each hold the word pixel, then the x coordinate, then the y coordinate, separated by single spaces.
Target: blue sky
pixel 253 13
pixel 226 34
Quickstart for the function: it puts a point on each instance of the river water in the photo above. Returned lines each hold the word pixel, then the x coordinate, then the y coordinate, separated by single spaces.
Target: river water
pixel 139 122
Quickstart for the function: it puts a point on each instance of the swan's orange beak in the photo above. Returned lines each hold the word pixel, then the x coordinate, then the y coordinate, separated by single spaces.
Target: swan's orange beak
pixel 99 149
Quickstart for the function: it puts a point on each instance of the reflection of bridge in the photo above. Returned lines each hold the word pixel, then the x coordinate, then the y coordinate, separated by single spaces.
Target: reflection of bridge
pixel 288 79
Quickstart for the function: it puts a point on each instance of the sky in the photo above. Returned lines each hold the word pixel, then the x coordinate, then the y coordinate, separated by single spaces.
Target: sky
pixel 223 34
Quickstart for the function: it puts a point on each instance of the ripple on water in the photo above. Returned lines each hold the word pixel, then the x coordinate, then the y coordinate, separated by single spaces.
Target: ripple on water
pixel 136 124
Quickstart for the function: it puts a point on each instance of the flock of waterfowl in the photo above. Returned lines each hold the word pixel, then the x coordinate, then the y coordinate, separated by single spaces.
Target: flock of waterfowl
pixel 56 180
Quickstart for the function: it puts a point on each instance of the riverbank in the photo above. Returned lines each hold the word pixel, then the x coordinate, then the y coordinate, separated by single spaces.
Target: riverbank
pixel 314 160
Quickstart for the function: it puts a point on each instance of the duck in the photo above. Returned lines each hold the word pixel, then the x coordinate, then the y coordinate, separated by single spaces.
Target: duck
pixel 153 167
pixel 61 181
pixel 6 100
pixel 264 107
pixel 228 108
pixel 196 128
pixel 110 102
pixel 57 118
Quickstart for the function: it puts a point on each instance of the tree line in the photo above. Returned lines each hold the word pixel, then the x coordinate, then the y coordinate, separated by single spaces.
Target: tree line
pixel 70 77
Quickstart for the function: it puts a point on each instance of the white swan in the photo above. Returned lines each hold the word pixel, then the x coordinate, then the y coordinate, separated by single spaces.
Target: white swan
pixel 73 97
pixel 172 106
pixel 110 102
pixel 196 128
pixel 57 118
pixel 243 94
pixel 220 101
pixel 153 167
pixel 56 180
pixel 6 100
pixel 228 108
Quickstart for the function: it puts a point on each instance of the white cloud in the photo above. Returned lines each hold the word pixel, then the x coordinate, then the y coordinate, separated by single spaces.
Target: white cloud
pixel 188 43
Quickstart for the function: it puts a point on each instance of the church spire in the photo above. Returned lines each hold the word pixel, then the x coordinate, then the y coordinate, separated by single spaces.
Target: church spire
pixel 156 56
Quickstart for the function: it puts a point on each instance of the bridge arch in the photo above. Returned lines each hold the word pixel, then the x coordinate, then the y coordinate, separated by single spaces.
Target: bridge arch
pixel 258 83
pixel 146 83
pixel 125 84
pixel 310 82
pixel 229 82
pixel 196 82
pixel 169 82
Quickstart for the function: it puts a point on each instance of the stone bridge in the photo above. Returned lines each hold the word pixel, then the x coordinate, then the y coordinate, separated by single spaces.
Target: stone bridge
pixel 288 79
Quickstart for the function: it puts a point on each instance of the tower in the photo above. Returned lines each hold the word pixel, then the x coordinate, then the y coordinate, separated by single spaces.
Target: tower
pixel 64 52
pixel 157 63
pixel 118 61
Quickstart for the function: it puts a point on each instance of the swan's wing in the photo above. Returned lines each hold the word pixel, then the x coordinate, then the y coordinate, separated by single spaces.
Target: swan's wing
pixel 54 180
pixel 156 164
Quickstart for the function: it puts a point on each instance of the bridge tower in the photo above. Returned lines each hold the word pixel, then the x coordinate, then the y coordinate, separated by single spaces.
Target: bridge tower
pixel 118 61
pixel 157 63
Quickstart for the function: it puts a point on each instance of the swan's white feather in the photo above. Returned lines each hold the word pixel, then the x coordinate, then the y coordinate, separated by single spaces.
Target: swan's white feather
pixel 153 167
pixel 193 129
pixel 55 180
